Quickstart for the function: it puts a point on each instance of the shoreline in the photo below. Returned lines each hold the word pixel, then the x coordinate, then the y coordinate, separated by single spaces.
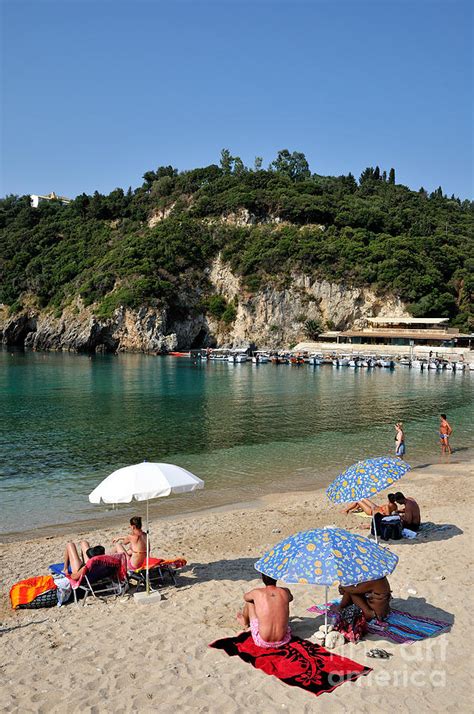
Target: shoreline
pixel 178 508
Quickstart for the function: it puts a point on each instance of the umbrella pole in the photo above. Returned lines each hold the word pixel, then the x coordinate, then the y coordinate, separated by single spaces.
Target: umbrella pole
pixel 375 525
pixel 147 551
pixel 326 611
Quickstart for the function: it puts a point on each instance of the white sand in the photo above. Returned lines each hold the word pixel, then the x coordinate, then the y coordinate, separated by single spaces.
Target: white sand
pixel 113 656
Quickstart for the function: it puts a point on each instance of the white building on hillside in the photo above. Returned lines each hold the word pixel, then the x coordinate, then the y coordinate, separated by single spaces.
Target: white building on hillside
pixel 36 199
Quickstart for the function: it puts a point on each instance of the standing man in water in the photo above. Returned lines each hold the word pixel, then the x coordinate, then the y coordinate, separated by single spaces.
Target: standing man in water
pixel 445 432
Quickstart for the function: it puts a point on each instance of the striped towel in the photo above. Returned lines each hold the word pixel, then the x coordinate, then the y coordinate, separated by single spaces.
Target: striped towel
pixel 399 626
pixel 26 591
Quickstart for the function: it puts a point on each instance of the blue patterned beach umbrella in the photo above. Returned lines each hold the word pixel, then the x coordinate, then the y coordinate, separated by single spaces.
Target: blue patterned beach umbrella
pixel 324 556
pixel 366 478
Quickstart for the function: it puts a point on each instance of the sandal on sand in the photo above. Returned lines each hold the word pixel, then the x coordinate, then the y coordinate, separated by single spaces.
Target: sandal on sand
pixel 379 654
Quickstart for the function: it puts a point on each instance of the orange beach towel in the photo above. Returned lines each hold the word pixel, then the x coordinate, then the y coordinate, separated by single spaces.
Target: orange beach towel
pixel 25 591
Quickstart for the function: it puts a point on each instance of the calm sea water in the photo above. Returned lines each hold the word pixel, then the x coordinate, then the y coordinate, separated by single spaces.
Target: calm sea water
pixel 67 421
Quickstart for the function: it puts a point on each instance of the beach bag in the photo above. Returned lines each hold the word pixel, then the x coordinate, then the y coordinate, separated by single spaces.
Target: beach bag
pixel 47 599
pixel 350 622
pixel 388 527
pixel 391 529
pixel 39 591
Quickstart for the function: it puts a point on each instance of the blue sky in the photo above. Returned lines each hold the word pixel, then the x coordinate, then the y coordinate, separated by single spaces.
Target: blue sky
pixel 96 92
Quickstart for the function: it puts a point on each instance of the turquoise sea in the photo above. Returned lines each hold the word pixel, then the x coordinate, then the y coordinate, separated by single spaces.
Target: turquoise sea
pixel 67 421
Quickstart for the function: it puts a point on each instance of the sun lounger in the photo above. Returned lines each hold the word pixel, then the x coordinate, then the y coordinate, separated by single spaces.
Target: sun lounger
pixel 159 569
pixel 102 575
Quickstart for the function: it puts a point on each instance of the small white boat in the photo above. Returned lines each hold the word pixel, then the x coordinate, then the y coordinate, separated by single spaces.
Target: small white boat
pixel 353 363
pixel 449 367
pixel 459 366
pixel 405 362
pixel 237 357
pixel 260 358
pixel 315 359
pixel 432 364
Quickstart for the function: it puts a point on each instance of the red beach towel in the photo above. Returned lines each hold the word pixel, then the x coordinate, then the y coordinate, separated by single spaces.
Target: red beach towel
pixel 300 663
pixel 117 560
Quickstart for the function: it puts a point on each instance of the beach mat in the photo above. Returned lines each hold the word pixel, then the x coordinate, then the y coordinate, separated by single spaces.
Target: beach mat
pixel 400 627
pixel 300 663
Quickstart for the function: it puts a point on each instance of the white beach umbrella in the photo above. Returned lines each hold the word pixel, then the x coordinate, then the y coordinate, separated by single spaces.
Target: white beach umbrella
pixel 142 482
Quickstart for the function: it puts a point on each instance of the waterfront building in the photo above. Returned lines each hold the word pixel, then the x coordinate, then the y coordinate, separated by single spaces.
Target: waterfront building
pixel 397 335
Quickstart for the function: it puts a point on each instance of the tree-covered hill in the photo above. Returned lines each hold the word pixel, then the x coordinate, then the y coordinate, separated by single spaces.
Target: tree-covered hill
pixel 373 232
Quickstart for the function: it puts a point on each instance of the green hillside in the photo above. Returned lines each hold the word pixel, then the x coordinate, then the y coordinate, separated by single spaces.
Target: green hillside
pixel 373 232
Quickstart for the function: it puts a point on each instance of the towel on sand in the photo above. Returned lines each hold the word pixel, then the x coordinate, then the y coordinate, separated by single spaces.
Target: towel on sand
pixel 399 626
pixel 24 592
pixel 300 663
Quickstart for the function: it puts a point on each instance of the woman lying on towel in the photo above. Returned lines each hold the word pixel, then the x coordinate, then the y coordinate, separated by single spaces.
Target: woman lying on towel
pixel 370 507
pixel 136 556
pixel 77 563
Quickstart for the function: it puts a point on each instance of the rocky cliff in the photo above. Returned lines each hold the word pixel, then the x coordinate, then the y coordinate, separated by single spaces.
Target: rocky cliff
pixel 272 317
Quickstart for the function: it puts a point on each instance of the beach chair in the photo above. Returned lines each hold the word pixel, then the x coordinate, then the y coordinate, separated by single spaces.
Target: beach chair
pixel 103 575
pixel 159 569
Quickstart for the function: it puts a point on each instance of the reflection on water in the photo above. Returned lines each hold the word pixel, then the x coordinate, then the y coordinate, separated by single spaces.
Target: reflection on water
pixel 68 420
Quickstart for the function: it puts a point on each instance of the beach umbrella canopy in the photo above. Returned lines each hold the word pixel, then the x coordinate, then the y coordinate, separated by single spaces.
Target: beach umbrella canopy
pixel 366 478
pixel 143 482
pixel 324 556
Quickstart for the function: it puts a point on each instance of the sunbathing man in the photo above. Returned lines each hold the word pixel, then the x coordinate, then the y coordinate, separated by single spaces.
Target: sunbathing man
pixel 410 514
pixel 373 598
pixel 78 563
pixel 136 556
pixel 370 507
pixel 266 612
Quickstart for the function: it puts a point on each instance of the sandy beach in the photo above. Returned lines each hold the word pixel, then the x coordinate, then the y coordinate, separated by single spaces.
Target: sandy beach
pixel 113 656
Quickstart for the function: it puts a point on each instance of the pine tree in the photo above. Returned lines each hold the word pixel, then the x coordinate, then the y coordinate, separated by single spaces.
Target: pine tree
pixel 391 176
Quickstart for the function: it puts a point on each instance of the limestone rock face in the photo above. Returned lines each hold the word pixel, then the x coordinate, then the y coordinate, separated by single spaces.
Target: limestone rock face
pixel 275 316
pixel 272 317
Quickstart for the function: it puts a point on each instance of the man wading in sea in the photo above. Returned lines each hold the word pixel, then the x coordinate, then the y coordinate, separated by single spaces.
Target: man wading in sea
pixel 445 432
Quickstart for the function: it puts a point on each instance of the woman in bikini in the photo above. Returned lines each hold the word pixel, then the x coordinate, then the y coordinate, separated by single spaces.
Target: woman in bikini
pixel 372 597
pixel 370 507
pixel 136 556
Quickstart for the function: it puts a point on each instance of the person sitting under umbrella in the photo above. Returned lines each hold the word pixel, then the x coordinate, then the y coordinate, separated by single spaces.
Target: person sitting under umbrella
pixel 267 611
pixel 136 557
pixel 370 507
pixel 372 597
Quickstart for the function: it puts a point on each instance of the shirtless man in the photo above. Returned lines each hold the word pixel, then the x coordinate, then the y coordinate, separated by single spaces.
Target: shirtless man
pixel 445 432
pixel 266 612
pixel 370 507
pixel 373 598
pixel 410 514
pixel 136 556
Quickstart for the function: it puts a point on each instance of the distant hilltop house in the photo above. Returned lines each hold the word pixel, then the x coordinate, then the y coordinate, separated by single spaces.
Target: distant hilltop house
pixel 36 199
